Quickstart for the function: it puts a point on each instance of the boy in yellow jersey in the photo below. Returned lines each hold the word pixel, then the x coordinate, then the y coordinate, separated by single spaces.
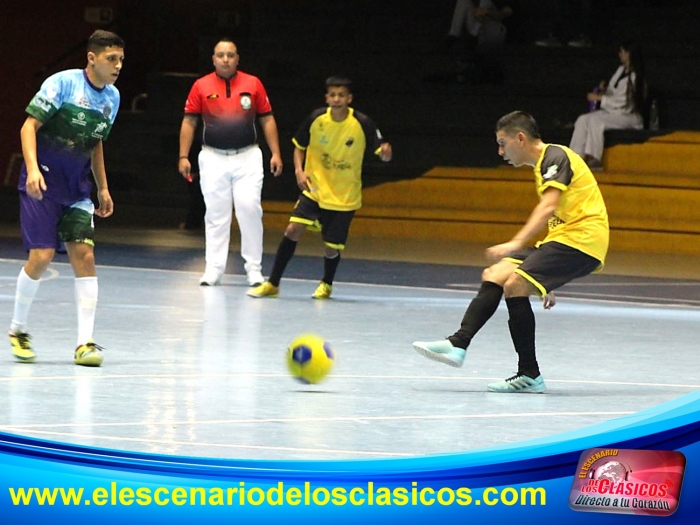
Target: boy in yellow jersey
pixel 329 151
pixel 572 207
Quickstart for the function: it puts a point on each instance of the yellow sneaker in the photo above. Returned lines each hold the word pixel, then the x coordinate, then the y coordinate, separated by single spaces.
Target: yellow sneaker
pixel 323 291
pixel 266 289
pixel 21 344
pixel 88 354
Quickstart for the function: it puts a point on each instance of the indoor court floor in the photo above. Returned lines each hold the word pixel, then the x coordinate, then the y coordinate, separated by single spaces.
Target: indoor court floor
pixel 200 371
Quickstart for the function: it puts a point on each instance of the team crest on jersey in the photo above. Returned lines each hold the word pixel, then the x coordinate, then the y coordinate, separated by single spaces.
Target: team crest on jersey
pixel 551 172
pixel 106 111
pixel 246 102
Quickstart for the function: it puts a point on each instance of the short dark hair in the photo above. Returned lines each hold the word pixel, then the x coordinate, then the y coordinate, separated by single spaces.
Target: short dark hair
pixel 102 39
pixel 519 121
pixel 224 40
pixel 339 81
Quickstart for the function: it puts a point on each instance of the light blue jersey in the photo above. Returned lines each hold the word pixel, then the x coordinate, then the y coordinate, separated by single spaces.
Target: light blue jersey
pixel 75 117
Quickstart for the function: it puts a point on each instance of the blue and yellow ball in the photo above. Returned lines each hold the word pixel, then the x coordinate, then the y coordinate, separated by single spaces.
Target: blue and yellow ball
pixel 309 358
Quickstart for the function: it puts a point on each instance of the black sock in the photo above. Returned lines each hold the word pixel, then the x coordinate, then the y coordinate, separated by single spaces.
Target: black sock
pixel 329 268
pixel 522 331
pixel 480 310
pixel 285 252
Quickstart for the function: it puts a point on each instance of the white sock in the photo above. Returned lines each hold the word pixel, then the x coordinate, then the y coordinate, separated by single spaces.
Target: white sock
pixel 24 295
pixel 86 301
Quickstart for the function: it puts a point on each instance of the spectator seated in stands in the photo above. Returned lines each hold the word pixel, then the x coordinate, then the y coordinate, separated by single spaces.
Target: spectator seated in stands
pixel 622 103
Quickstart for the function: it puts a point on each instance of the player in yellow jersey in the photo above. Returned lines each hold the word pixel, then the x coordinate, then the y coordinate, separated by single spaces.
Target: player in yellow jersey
pixel 572 208
pixel 329 151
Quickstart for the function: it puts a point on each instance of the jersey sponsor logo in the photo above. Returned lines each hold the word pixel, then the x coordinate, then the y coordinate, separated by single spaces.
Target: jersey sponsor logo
pixel 330 164
pixel 246 102
pixel 554 221
pixel 42 103
pixel 99 130
pixel 551 172
pixel 79 119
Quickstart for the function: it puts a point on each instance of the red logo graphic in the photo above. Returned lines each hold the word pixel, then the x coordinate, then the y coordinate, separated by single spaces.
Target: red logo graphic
pixel 619 481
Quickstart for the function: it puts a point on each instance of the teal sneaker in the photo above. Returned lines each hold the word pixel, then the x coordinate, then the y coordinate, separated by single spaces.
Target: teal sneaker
pixel 519 384
pixel 441 351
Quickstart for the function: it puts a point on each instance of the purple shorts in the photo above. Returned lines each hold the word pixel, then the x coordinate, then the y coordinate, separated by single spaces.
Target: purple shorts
pixel 48 224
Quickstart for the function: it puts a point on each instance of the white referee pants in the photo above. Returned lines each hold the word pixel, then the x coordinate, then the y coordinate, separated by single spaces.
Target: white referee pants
pixel 232 182
pixel 588 138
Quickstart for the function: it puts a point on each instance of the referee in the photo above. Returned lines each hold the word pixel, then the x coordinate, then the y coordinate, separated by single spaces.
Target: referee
pixel 229 102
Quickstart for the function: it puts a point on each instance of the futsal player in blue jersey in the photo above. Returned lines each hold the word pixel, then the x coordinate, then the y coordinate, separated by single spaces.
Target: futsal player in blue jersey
pixel 67 121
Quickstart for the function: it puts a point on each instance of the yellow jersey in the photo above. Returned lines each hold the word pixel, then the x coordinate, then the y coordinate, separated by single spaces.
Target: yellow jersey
pixel 581 219
pixel 334 155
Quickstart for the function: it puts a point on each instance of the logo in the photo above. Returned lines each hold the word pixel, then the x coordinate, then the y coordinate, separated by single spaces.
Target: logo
pixel 106 111
pixel 619 481
pixel 42 103
pixel 84 103
pixel 99 130
pixel 350 142
pixel 213 95
pixel 246 102
pixel 79 119
pixel 551 172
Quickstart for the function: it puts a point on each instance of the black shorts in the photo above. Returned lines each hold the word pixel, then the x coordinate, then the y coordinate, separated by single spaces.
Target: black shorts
pixel 552 265
pixel 334 225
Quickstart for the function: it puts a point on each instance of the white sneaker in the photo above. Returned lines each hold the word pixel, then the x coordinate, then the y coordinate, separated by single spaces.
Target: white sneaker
pixel 255 278
pixel 210 278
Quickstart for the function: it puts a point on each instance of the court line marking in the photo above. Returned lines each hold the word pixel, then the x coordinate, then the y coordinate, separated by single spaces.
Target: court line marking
pixel 474 285
pixel 315 451
pixel 318 419
pixel 650 301
pixel 335 376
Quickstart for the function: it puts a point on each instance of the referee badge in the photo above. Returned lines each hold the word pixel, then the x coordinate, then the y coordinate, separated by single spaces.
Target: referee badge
pixel 246 102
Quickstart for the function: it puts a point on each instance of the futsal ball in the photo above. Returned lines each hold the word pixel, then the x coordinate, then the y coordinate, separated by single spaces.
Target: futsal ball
pixel 309 358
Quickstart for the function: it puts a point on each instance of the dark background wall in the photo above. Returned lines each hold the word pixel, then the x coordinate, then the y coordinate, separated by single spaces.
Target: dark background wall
pixel 392 49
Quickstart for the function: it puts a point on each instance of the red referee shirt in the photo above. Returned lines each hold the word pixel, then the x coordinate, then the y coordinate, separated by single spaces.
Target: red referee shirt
pixel 228 108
